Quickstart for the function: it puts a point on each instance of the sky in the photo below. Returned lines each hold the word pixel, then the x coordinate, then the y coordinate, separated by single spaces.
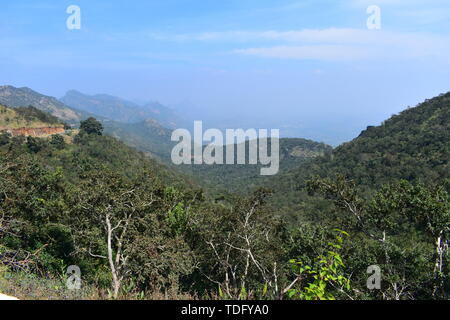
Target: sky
pixel 311 68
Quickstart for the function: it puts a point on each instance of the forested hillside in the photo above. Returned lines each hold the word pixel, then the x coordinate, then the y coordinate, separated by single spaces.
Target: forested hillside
pixel 245 178
pixel 413 145
pixel 147 136
pixel 140 230
pixel 56 196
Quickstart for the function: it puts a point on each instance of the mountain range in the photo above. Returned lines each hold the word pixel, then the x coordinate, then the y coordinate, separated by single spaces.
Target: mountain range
pixel 410 145
pixel 146 127
pixel 121 110
pixel 147 135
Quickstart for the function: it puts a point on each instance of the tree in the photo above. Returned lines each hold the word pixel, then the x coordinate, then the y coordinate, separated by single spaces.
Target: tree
pixel 57 141
pixel 391 227
pixel 91 126
pixel 117 207
pixel 241 247
pixel 5 137
pixel 429 208
pixel 35 144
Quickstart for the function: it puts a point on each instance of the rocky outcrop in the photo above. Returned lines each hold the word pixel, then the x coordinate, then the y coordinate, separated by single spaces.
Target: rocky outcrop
pixel 35 132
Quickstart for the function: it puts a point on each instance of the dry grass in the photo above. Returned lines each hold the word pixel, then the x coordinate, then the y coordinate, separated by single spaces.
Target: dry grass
pixel 27 286
pixel 30 287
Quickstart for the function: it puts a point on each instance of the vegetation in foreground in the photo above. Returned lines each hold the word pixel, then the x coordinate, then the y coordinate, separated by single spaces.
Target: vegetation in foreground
pixel 139 230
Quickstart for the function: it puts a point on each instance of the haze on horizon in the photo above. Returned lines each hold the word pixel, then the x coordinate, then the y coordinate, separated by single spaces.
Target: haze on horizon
pixel 310 68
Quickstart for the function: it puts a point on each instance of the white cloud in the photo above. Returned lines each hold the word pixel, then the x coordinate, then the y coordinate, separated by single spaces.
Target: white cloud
pixel 332 43
pixel 330 35
pixel 315 52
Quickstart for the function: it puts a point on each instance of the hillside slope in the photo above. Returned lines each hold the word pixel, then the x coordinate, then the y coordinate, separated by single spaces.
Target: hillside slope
pixel 147 136
pixel 29 122
pixel 413 145
pixel 24 97
pixel 244 178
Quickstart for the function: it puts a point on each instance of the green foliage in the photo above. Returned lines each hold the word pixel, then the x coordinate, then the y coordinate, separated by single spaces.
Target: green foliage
pixel 91 126
pixel 35 144
pixel 178 218
pixel 403 228
pixel 52 201
pixel 57 141
pixel 239 245
pixel 4 138
pixel 326 273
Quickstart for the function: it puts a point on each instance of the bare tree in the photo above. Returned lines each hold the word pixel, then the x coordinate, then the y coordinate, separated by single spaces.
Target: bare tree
pixel 243 250
pixel 116 208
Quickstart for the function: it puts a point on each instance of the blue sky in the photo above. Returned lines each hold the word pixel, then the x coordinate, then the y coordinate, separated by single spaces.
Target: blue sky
pixel 311 68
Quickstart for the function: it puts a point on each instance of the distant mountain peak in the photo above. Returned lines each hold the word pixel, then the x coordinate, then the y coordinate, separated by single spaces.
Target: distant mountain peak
pixel 73 91
pixel 121 110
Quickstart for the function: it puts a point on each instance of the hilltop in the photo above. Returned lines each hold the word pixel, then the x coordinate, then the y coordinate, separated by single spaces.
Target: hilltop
pixel 21 97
